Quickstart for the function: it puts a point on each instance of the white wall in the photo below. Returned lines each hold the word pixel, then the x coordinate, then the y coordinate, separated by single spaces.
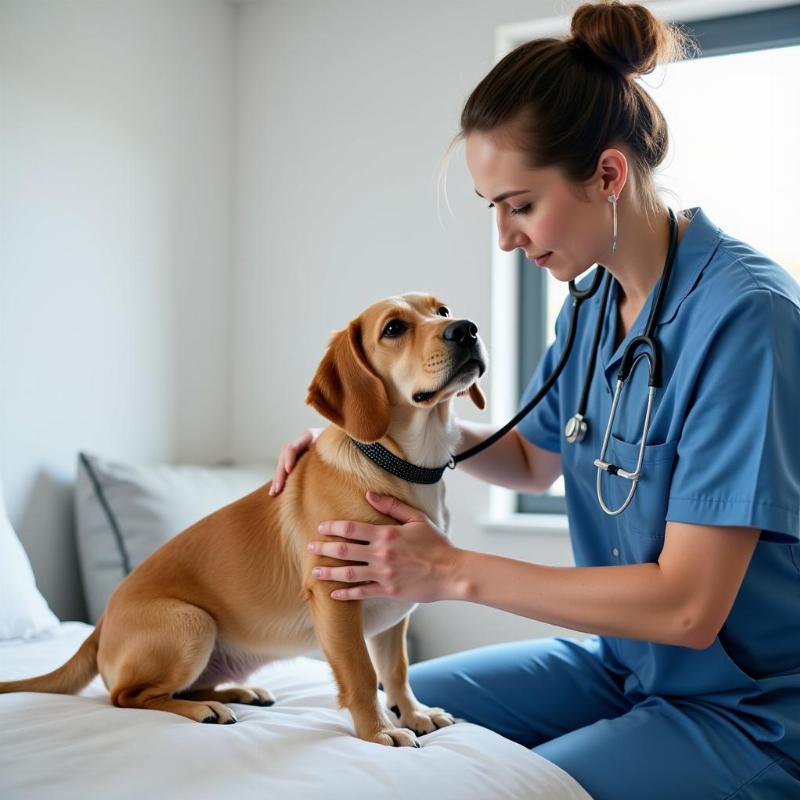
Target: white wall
pixel 115 196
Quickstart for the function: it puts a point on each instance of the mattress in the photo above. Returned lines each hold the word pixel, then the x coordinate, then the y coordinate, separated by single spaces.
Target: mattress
pixel 61 746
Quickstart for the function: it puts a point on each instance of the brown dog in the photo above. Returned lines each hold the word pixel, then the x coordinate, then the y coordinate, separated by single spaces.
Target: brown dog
pixel 234 591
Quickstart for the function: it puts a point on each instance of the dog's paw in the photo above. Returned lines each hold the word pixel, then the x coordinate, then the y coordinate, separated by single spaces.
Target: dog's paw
pixel 395 737
pixel 217 714
pixel 259 697
pixel 422 719
pixel 246 695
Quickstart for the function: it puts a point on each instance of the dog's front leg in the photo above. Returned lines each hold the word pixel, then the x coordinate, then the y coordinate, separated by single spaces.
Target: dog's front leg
pixel 340 631
pixel 389 654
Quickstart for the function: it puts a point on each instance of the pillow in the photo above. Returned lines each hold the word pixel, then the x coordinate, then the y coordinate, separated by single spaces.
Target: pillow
pixel 23 611
pixel 123 512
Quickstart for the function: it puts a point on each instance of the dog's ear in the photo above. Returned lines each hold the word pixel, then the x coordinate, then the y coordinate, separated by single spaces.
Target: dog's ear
pixel 477 396
pixel 346 391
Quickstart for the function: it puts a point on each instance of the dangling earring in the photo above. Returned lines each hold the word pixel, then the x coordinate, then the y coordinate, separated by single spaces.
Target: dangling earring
pixel 612 198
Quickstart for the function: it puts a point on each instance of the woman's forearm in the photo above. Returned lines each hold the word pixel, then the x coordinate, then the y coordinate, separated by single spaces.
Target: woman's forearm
pixel 634 601
pixel 502 464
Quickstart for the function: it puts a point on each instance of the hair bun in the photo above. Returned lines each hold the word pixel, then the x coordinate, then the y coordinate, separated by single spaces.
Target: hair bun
pixel 628 38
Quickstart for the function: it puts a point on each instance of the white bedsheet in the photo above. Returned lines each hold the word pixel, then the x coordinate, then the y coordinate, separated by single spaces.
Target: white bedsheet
pixel 57 747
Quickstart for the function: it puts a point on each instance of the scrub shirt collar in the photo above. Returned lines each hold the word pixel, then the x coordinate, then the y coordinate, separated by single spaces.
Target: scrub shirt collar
pixel 695 249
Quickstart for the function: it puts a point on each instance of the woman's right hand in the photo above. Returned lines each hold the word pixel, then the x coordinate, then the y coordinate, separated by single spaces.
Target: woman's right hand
pixel 290 453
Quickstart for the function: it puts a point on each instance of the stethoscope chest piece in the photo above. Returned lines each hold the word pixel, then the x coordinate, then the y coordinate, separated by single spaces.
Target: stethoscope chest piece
pixel 575 429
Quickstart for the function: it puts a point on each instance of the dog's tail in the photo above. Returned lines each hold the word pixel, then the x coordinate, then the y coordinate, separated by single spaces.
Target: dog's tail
pixel 69 678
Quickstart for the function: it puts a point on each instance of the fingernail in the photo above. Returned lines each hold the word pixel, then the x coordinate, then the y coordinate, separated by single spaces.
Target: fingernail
pixel 312 547
pixel 376 496
pixel 321 527
pixel 316 572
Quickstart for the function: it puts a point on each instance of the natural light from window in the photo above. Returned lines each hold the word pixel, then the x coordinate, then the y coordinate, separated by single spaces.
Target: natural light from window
pixel 734 124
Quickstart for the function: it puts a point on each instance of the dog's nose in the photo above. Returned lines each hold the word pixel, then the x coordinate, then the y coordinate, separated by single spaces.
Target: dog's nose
pixel 463 332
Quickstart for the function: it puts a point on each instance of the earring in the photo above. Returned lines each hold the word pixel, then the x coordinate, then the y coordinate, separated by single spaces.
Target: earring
pixel 612 198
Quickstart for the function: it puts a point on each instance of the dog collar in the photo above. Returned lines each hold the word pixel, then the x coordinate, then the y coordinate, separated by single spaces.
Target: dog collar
pixel 387 460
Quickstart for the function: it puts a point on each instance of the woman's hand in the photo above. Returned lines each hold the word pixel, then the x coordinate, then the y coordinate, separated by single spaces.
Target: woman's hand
pixel 411 561
pixel 290 453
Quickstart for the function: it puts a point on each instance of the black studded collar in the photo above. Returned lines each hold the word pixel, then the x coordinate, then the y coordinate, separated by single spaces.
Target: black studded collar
pixel 387 460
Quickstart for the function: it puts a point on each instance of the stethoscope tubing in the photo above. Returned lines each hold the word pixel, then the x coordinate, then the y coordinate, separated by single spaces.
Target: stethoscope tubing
pixel 630 357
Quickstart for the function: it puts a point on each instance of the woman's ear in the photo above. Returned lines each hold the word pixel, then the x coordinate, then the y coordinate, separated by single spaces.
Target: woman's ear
pixel 346 391
pixel 612 172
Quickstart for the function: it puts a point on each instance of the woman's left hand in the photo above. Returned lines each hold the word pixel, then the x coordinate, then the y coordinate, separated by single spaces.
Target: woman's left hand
pixel 411 561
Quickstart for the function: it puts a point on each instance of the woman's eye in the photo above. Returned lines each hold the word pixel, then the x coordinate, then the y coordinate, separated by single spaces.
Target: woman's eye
pixel 443 311
pixel 514 211
pixel 394 328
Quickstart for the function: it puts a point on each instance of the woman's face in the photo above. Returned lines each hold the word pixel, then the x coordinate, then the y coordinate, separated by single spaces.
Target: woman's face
pixel 538 210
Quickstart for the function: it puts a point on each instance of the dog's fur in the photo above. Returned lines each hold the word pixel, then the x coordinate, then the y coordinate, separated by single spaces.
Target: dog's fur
pixel 235 590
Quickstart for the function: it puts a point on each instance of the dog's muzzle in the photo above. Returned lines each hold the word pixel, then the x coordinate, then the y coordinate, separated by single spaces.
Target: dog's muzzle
pixel 468 354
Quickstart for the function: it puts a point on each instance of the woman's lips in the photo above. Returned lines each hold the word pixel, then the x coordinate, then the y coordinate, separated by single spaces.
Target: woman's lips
pixel 542 259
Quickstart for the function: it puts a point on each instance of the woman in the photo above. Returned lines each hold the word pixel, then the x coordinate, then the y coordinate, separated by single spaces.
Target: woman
pixel 689 685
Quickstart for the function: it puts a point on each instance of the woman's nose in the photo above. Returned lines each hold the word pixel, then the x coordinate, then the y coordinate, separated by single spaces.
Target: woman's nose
pixel 509 236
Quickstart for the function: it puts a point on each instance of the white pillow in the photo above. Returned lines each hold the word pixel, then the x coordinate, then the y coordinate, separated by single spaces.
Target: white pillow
pixel 124 512
pixel 23 611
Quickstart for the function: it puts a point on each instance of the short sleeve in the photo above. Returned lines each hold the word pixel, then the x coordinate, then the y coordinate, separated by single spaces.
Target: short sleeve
pixel 542 426
pixel 739 449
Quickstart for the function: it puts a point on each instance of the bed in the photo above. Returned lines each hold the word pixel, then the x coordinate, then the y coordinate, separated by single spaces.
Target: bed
pixel 61 746
pixel 57 747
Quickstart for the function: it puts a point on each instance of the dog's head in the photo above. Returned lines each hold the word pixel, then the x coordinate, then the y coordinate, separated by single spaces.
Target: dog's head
pixel 402 351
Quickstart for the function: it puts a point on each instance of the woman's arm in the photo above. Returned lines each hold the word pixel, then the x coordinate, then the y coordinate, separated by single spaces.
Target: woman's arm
pixel 512 461
pixel 683 599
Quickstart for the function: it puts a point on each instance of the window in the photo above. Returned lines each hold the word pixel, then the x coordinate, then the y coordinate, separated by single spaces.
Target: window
pixel 743 170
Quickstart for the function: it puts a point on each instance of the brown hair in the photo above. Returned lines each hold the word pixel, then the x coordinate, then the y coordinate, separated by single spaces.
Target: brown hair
pixel 564 101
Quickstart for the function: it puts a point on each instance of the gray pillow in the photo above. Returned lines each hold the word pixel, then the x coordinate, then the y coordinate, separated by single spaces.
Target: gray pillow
pixel 123 512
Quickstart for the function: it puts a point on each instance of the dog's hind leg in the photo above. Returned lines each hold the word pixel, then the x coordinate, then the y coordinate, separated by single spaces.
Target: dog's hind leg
pixel 156 652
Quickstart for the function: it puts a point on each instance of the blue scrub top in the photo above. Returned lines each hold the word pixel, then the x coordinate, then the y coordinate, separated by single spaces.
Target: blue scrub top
pixel 723 449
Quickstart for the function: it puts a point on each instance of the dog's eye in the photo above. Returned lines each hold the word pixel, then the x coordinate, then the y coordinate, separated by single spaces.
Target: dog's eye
pixel 394 328
pixel 443 311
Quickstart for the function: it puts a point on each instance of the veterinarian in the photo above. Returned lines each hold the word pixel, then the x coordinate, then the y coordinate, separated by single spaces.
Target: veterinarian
pixel 689 684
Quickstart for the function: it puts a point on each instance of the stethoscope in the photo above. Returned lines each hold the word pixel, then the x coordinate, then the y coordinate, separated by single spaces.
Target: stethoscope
pixel 577 426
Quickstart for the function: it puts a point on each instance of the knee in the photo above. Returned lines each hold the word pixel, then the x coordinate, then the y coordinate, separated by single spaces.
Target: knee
pixel 438 686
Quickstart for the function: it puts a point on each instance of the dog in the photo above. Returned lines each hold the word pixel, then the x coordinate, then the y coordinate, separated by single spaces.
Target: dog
pixel 235 591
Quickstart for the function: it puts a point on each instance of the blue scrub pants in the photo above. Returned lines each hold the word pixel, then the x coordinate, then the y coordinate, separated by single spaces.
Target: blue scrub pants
pixel 557 697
